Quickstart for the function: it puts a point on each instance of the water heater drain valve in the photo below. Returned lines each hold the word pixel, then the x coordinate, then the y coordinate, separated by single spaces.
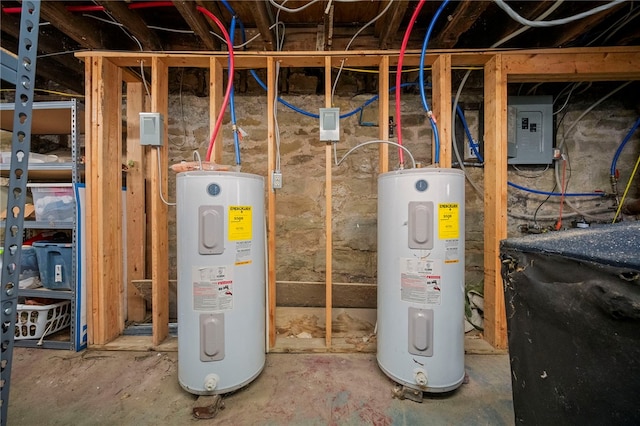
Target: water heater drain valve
pixel 420 377
pixel 211 382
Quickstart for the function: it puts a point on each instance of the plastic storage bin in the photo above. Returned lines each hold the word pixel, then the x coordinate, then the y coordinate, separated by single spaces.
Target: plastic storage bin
pixel 35 321
pixel 28 266
pixel 53 203
pixel 55 264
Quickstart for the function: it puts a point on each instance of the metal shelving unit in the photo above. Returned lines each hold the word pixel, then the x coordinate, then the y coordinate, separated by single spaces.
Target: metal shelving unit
pixel 19 70
pixel 56 117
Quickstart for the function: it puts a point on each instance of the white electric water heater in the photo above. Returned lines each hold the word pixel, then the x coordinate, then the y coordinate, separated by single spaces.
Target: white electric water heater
pixel 421 278
pixel 221 280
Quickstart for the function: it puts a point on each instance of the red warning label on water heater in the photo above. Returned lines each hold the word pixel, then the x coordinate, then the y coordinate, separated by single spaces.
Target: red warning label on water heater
pixel 420 281
pixel 212 288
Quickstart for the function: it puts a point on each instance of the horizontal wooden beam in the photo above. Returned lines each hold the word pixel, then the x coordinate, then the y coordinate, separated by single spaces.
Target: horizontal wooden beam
pixel 611 63
pixel 473 344
pixel 573 66
pixel 246 59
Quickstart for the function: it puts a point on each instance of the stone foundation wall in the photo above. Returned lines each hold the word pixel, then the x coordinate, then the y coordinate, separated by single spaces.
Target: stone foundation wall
pixel 300 219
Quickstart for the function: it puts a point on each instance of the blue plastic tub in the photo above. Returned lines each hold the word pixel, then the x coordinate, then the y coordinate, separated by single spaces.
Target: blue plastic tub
pixel 55 265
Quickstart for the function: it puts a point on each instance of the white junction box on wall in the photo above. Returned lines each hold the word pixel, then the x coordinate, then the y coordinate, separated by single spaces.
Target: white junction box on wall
pixel 530 130
pixel 151 128
pixel 330 124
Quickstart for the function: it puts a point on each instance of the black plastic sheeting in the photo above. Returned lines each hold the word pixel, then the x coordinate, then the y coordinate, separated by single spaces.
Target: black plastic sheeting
pixel 612 245
pixel 573 316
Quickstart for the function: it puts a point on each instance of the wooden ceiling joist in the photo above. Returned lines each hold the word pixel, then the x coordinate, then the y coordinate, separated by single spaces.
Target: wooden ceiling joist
pixel 263 23
pixel 387 28
pixel 68 23
pixel 198 23
pixel 46 45
pixel 133 23
pixel 532 11
pixel 465 15
pixel 582 26
pixel 55 71
pixel 470 24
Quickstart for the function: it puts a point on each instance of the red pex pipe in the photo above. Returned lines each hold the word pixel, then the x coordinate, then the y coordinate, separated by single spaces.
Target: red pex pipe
pixel 227 38
pixel 94 8
pixel 148 4
pixel 405 41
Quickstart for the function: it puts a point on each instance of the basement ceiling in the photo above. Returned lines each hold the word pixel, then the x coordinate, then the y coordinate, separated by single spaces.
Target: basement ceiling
pixel 270 25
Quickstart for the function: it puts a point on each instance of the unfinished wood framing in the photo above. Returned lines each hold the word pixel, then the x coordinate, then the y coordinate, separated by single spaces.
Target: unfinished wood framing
pixel 495 199
pixel 215 92
pixel 441 79
pixel 159 228
pixel 90 114
pixel 106 70
pixel 271 204
pixel 328 193
pixel 383 113
pixel 104 201
pixel 136 227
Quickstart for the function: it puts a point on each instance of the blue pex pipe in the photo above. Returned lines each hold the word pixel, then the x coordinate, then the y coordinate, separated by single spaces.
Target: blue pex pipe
pixel 421 76
pixel 557 194
pixel 468 133
pixel 232 102
pixel 621 146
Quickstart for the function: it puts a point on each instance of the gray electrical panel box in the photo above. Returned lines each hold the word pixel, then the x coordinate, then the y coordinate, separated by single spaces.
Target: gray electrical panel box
pixel 530 130
pixel 151 128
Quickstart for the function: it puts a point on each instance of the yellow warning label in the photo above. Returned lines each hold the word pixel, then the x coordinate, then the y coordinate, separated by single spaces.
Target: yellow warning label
pixel 240 221
pixel 448 223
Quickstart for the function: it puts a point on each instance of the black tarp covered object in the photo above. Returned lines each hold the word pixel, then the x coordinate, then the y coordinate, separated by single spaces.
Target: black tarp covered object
pixel 573 316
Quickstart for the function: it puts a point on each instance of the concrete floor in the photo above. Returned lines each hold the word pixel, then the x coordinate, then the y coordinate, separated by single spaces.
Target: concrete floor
pixel 53 387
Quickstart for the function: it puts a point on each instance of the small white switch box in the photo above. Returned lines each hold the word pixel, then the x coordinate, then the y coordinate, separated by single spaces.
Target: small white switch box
pixel 151 128
pixel 330 124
